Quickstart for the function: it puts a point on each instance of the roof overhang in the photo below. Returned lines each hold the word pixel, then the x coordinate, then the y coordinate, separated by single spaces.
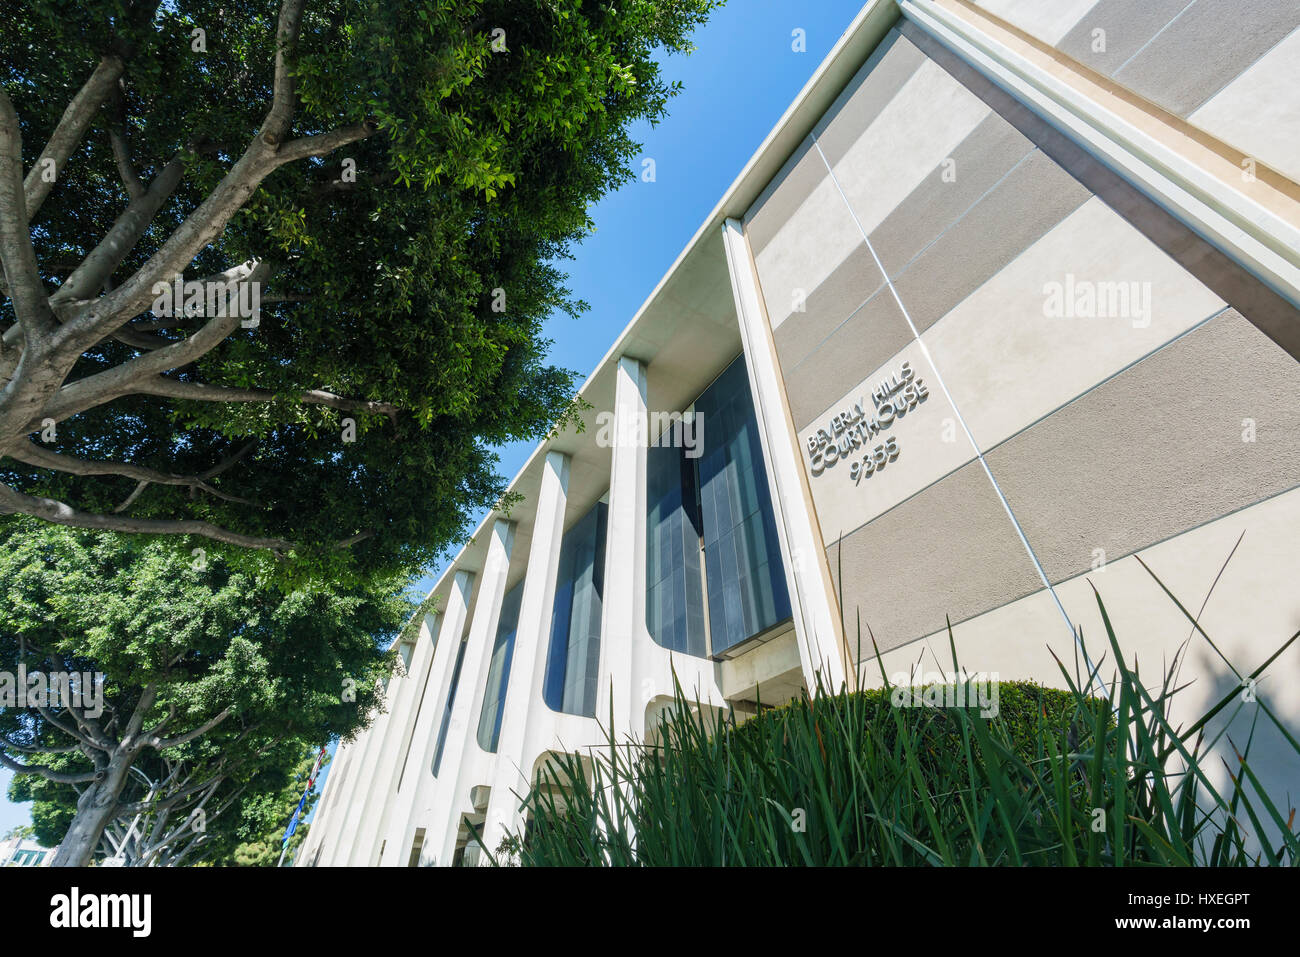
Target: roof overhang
pixel 686 330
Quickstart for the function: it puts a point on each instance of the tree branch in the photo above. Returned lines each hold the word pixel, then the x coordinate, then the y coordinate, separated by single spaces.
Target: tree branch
pixel 77 734
pixel 162 744
pixel 103 316
pixel 22 276
pixel 71 128
pixel 140 486
pixel 8 743
pixel 202 392
pixel 353 540
pixel 323 143
pixel 121 380
pixel 60 513
pixel 89 277
pixel 121 147
pixel 33 454
pixel 284 95
pixel 58 777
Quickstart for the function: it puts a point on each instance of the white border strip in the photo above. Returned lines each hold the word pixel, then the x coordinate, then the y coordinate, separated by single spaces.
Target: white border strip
pixel 1236 225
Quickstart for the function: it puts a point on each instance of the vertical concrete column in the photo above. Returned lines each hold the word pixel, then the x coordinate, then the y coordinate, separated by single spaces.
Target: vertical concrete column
pixel 352 788
pixel 453 784
pixel 623 611
pixel 816 621
pixel 362 779
pixel 319 842
pixel 513 764
pixel 405 699
pixel 416 779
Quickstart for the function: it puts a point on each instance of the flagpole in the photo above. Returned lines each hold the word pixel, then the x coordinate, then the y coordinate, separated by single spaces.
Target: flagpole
pixel 297 812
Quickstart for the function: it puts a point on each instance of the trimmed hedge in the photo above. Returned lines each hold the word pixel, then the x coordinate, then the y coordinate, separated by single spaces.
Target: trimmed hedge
pixel 848 778
pixel 842 778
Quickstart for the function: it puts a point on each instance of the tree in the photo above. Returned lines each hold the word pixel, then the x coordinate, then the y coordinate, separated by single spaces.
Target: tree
pixel 156 670
pixel 264 816
pixel 180 815
pixel 394 182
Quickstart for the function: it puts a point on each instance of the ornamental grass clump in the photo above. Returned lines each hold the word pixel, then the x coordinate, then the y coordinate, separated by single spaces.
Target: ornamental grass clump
pixel 1088 774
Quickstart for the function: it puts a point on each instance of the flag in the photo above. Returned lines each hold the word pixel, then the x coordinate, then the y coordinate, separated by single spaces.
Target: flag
pixel 311 783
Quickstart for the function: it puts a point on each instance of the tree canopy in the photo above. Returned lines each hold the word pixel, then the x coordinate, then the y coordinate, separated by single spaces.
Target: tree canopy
pixel 206 674
pixel 396 182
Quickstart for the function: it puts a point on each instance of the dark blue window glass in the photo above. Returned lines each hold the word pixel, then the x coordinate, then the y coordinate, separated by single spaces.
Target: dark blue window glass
pixel 674 587
pixel 574 653
pixel 446 711
pixel 498 676
pixel 711 510
pixel 742 558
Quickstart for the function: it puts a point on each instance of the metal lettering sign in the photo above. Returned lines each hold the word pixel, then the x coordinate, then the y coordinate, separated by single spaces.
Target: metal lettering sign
pixel 856 428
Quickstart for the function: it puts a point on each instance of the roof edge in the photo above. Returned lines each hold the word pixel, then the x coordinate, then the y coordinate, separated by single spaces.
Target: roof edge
pixel 854 46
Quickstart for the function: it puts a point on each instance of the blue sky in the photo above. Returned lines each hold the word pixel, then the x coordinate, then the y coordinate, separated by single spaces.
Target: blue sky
pixel 741 78
pixel 737 84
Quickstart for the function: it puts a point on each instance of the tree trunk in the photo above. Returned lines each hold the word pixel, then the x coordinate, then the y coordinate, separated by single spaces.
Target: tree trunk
pixel 95 810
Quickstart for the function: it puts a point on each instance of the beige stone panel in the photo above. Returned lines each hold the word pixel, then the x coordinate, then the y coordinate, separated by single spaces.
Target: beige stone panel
pixel 1126 27
pixel 1015 641
pixel 803 253
pixel 1007 363
pixel 1265 308
pixel 921 126
pixel 1205 48
pixel 826 308
pixel 832 363
pixel 1201 428
pixel 1020 210
pixel 1257 112
pixel 789 189
pixel 890 65
pixel 979 164
pixel 931 445
pixel 1048 20
pixel 1251 612
pixel 949 552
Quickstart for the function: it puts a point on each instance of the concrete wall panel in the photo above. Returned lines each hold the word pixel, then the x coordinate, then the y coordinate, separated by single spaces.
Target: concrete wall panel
pixel 806 251
pixel 1157 450
pixel 1048 20
pixel 1257 112
pixel 872 88
pixel 846 290
pixel 1032 199
pixel 835 365
pixel 930 446
pixel 978 164
pixel 950 550
pixel 1204 48
pixel 1126 28
pixel 1089 298
pixel 914 133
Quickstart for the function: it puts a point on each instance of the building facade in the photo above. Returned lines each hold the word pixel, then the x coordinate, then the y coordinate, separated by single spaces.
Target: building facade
pixel 21 852
pixel 1002 311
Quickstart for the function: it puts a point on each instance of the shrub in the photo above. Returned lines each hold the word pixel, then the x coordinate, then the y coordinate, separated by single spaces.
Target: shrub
pixel 847 778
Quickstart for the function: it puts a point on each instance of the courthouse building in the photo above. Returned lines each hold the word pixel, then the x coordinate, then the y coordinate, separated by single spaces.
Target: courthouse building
pixel 1004 307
